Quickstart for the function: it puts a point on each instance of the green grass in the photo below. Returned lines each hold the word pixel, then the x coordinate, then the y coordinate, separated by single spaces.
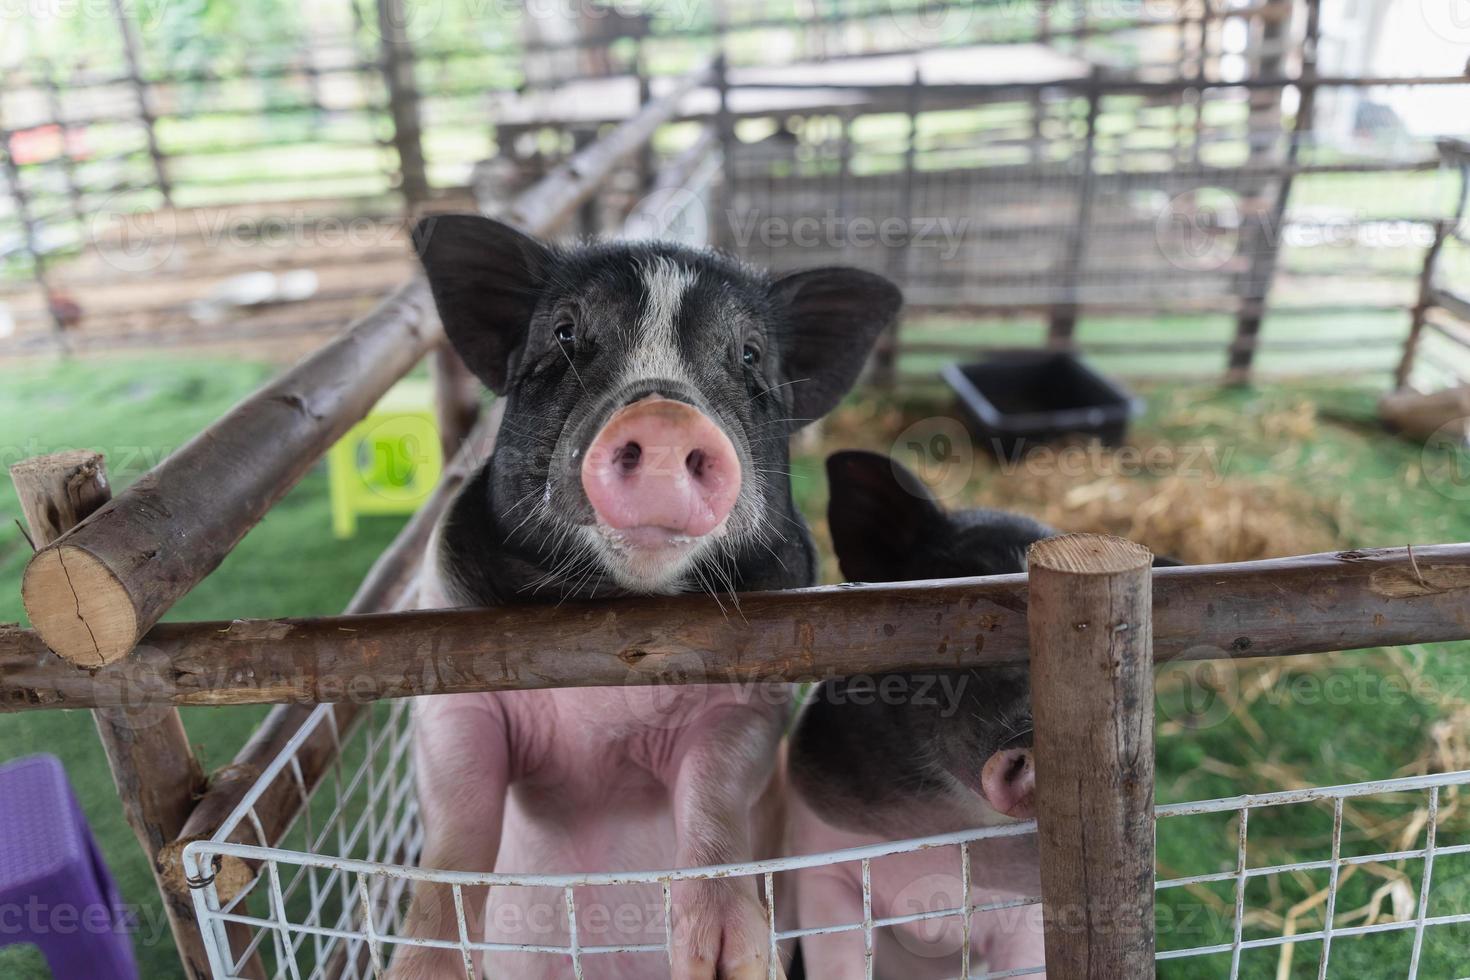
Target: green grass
pixel 137 410
pixel 1323 720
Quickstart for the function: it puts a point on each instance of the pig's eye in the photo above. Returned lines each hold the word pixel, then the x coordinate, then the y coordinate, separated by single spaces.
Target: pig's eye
pixel 566 333
pixel 750 356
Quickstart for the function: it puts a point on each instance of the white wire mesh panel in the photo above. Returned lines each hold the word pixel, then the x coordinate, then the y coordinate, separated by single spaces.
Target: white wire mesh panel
pixel 1382 868
pixel 328 901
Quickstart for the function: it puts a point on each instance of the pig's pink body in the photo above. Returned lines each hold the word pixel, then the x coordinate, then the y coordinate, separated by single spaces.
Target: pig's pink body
pixel 1001 869
pixel 593 780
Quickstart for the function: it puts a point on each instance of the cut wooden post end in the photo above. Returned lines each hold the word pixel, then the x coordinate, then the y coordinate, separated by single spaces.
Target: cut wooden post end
pixel 58 490
pixel 1090 622
pixel 79 607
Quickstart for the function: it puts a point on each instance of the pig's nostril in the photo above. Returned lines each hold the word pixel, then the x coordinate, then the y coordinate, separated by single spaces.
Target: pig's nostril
pixel 696 462
pixel 1017 768
pixel 627 457
pixel 661 464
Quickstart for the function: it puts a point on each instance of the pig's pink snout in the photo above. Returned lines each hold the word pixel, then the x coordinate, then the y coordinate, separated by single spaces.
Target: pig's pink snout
pixel 1009 782
pixel 661 466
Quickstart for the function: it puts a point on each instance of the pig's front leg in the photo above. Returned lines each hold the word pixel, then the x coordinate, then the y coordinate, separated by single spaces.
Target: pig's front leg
pixel 462 756
pixel 721 773
pixel 1015 939
pixel 826 897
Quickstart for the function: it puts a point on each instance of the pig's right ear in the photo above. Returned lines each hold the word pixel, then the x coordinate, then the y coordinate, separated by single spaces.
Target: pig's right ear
pixel 878 513
pixel 486 277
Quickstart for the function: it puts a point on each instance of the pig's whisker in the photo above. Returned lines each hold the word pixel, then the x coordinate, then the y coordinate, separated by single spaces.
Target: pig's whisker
pixel 722 569
pixel 704 584
pixel 529 514
pixel 564 564
pixel 568 593
pixel 573 366
pixel 794 381
pixel 789 520
pixel 528 496
pixel 763 544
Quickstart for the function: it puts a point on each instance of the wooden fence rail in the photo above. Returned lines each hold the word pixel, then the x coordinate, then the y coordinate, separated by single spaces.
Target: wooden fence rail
pixel 1280 607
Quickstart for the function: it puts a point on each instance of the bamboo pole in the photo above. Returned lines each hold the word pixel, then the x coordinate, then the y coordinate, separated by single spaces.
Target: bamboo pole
pixel 1092 698
pixel 1281 607
pixel 153 765
pixel 884 371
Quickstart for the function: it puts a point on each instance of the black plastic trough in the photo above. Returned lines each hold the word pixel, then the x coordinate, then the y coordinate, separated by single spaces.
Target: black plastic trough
pixel 1014 401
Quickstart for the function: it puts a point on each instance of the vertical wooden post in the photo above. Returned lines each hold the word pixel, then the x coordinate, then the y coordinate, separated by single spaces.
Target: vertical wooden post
pixel 1451 153
pixel 1421 307
pixel 1092 696
pixel 132 53
pixel 1037 150
pixel 403 101
pixel 1263 242
pixel 153 766
pixel 59 491
pixel 886 350
pixel 844 196
pixel 589 213
pixel 1201 95
pixel 456 398
pixel 57 111
pixel 28 233
pixel 1064 314
pixel 644 165
pixel 719 234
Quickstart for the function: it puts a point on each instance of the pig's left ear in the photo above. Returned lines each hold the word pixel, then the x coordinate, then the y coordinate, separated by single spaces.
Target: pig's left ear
pixel 879 513
pixel 832 317
pixel 486 279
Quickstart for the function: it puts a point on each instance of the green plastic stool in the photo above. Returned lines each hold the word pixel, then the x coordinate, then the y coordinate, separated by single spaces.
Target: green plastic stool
pixel 389 462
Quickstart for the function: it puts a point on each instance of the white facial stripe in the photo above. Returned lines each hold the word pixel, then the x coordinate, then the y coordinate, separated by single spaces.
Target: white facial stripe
pixel 655 351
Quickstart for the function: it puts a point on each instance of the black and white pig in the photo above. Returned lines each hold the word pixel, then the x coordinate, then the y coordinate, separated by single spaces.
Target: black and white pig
pixel 650 394
pixel 912 755
pixel 896 756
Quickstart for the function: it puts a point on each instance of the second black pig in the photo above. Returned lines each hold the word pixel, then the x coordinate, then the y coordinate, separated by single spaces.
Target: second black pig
pixel 897 756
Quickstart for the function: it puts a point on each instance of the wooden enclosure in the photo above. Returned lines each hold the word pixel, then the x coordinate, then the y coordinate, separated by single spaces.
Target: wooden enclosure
pixel 1107 170
pixel 108 569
